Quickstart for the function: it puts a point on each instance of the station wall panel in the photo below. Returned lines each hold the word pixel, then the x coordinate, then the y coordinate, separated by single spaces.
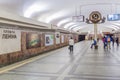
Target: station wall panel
pixel 33 43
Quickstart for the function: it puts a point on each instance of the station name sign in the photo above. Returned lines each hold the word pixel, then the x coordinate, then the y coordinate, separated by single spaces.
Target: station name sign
pixel 8 34
pixel 113 17
pixel 10 40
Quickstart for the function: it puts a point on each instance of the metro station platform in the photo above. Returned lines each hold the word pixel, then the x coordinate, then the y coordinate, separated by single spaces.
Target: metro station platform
pixel 84 64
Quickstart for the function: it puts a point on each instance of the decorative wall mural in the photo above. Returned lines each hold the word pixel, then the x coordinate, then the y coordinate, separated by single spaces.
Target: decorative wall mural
pixel 33 40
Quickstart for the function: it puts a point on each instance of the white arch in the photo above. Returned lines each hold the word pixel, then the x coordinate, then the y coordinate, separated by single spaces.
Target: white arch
pixel 56 16
pixel 69 24
pixel 63 21
pixel 72 26
pixel 36 7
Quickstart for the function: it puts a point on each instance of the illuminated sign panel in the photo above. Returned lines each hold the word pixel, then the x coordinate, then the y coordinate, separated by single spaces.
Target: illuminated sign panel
pixel 113 17
pixel 78 18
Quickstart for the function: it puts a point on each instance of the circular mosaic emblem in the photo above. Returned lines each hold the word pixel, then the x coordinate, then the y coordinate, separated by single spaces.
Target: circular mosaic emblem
pixel 95 17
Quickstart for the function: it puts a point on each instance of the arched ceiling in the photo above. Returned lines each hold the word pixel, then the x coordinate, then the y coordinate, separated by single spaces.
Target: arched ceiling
pixel 60 12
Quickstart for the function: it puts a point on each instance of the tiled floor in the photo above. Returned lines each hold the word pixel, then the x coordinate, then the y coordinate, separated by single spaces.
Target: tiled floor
pixel 84 64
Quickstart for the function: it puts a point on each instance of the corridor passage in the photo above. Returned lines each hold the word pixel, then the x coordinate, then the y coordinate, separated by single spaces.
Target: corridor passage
pixel 84 64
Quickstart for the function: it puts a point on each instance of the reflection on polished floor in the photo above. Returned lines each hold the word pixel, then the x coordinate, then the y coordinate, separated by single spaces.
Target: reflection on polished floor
pixel 84 64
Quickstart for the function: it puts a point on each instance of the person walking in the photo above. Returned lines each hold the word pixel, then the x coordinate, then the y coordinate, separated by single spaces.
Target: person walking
pixel 105 42
pixel 117 41
pixel 71 44
pixel 103 39
pixel 109 41
pixel 113 40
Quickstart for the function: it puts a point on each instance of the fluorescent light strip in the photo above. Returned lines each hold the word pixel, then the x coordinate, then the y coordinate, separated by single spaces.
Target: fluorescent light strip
pixel 63 22
pixel 77 28
pixel 116 25
pixel 72 26
pixel 109 26
pixel 69 24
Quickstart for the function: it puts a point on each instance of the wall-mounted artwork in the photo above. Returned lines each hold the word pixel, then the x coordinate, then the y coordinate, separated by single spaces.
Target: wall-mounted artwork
pixel 33 40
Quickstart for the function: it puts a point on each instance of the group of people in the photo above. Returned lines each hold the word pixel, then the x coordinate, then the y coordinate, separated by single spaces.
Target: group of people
pixel 108 39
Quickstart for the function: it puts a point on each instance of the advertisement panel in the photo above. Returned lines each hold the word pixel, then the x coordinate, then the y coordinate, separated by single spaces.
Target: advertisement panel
pixel 49 40
pixel 57 37
pixel 10 40
pixel 33 40
pixel 62 38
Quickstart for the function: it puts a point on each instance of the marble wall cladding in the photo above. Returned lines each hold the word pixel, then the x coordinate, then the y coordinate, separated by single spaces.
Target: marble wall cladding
pixel 3 60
